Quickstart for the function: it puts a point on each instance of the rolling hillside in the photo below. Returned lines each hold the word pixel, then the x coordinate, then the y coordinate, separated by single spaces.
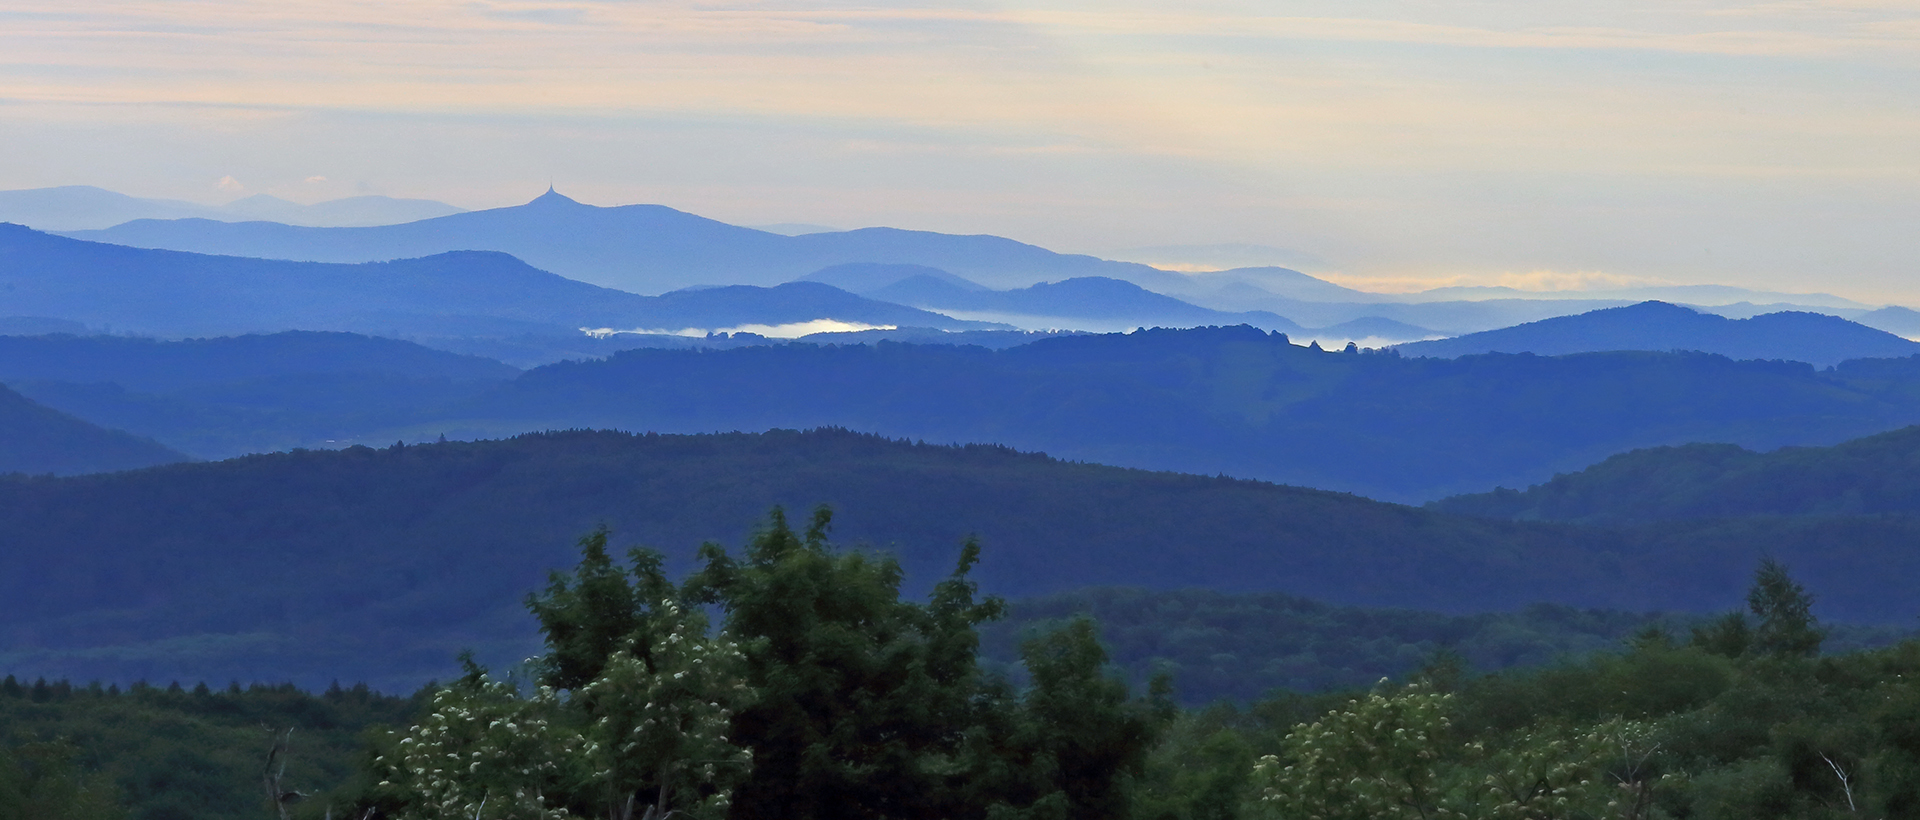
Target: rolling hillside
pixel 1234 401
pixel 380 564
pixel 1793 336
pixel 1875 475
pixel 1225 400
pixel 37 439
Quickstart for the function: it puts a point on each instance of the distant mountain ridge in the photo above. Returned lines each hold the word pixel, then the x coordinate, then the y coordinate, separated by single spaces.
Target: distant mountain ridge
pixel 82 207
pixel 466 293
pixel 646 249
pixel 1092 302
pixel 1814 338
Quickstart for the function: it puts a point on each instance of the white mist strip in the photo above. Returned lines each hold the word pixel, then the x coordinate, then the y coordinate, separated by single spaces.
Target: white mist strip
pixel 791 330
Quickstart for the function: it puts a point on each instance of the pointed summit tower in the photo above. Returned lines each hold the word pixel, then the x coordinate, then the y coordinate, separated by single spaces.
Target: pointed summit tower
pixel 552 197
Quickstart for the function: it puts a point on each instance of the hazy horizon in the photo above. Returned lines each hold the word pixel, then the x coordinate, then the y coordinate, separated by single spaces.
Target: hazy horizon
pixel 1764 145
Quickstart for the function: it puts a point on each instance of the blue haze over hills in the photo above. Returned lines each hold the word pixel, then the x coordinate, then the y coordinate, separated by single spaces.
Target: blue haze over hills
pixel 1795 336
pixel 81 207
pixel 1538 397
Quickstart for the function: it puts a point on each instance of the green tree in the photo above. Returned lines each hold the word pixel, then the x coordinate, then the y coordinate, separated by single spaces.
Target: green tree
pixel 1078 743
pixel 597 610
pixel 1785 613
pixel 865 699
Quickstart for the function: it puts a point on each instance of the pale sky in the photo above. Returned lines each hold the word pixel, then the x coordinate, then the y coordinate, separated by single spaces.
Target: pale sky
pixel 1409 143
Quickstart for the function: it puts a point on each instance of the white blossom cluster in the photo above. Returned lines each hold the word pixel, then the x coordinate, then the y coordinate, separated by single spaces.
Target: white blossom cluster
pixel 665 727
pixel 485 753
pixel 1389 755
pixel 652 729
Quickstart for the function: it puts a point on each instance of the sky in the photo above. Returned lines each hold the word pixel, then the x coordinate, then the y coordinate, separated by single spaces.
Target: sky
pixel 1399 144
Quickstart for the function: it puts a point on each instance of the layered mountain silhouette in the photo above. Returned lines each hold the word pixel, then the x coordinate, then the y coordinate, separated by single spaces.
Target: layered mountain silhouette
pixel 1237 401
pixel 638 248
pixel 37 439
pixel 1088 302
pixel 82 207
pixel 866 278
pixel 466 293
pixel 1794 336
pixel 380 564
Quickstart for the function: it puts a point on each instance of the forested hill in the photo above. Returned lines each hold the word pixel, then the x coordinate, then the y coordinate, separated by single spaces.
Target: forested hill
pixel 1234 401
pixel 38 439
pixel 150 364
pixel 1225 400
pixel 1873 475
pixel 1790 335
pixel 381 564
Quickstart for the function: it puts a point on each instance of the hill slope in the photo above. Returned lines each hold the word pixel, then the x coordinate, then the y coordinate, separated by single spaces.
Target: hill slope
pixel 1236 401
pixel 372 563
pixel 638 248
pixel 1803 337
pixel 151 364
pixel 38 439
pixel 1873 475
pixel 465 293
pixel 1091 302
pixel 381 564
pixel 1224 400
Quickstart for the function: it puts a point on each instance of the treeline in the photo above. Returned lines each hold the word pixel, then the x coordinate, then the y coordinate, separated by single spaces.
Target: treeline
pixel 820 692
pixel 1225 647
pixel 171 753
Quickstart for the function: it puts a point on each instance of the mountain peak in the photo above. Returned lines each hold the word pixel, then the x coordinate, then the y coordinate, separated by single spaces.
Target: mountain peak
pixel 552 197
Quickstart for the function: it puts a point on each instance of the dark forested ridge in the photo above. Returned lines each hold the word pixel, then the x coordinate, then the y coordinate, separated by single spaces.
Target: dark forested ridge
pixel 1232 401
pixel 1875 475
pixel 219 397
pixel 35 438
pixel 380 564
pixel 1227 400
pixel 153 365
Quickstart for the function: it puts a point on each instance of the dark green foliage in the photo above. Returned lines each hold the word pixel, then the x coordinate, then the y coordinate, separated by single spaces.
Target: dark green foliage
pixel 1784 612
pixel 1242 646
pixel 596 610
pixel 172 753
pixel 861 695
pixel 1079 743
pixel 43 781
